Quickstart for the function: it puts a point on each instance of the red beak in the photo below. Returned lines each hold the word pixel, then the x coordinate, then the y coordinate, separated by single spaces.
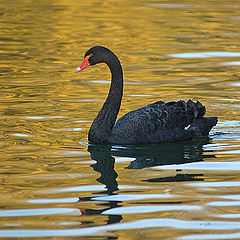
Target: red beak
pixel 84 64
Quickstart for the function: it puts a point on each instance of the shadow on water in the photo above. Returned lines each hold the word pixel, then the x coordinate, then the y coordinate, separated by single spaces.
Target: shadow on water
pixel 144 156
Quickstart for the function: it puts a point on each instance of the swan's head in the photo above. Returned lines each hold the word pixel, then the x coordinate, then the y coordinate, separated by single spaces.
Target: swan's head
pixel 94 55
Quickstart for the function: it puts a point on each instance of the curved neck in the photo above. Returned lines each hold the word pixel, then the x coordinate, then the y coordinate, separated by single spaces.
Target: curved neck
pixel 102 125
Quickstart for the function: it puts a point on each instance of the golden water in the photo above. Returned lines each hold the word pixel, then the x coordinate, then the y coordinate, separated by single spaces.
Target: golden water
pixel 52 184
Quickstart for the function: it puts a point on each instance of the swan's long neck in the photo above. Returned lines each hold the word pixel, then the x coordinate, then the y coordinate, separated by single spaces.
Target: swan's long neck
pixel 102 125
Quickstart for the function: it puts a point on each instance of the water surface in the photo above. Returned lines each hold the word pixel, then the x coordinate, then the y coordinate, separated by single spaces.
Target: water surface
pixel 53 185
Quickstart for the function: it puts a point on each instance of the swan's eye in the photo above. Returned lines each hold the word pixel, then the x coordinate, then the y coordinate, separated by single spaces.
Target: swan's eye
pixel 89 56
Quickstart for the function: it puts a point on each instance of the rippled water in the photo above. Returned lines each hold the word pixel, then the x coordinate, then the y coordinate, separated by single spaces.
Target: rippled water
pixel 53 185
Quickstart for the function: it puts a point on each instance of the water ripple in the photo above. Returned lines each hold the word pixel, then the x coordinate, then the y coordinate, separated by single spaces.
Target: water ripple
pixel 205 54
pixel 130 197
pixel 149 209
pixel 213 166
pixel 234 63
pixel 55 200
pixel 39 211
pixel 211 236
pixel 215 184
pixel 139 224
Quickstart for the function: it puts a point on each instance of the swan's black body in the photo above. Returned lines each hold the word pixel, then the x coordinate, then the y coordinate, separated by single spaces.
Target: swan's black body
pixel 154 123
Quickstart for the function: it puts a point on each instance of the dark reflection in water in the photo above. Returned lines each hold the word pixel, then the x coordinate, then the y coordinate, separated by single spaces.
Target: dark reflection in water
pixel 147 156
pixel 178 178
pixel 105 166
pixel 163 154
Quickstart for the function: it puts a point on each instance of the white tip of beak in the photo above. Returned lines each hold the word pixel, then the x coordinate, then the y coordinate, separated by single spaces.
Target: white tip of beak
pixel 78 69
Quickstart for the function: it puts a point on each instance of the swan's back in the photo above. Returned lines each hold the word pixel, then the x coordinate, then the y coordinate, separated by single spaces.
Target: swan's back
pixel 162 122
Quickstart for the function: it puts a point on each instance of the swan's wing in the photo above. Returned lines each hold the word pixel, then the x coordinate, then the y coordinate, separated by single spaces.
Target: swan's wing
pixel 157 120
pixel 174 114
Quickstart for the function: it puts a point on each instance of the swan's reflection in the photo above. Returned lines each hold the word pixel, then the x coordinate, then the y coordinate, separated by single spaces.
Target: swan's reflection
pixel 147 156
pixel 144 156
pixel 104 165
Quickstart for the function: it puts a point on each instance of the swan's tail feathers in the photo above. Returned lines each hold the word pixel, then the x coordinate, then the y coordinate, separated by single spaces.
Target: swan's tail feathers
pixel 202 126
pixel 197 108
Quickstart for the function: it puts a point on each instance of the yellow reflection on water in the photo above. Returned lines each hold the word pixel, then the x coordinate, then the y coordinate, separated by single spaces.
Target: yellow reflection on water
pixel 169 51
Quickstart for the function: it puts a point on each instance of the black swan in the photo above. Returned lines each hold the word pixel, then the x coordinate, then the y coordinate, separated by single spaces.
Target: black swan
pixel 155 123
